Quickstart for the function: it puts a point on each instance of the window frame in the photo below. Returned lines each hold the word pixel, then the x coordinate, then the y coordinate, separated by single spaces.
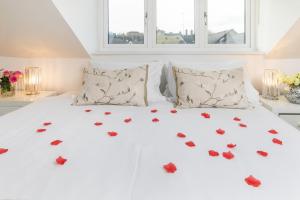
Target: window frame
pixel 201 45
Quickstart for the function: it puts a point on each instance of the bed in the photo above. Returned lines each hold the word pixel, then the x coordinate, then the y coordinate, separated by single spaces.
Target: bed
pixel 121 153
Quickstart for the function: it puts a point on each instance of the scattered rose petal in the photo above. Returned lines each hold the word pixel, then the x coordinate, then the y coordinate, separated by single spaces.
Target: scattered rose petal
pixel 231 146
pixel 154 110
pixel 190 144
pixel 205 115
pixel 47 123
pixel 41 130
pixel 274 132
pixel 170 168
pixel 252 181
pixel 127 120
pixel 98 123
pixel 112 133
pixel 56 142
pixel 88 110
pixel 228 155
pixel 155 120
pixel 181 135
pixel 243 125
pixel 107 113
pixel 263 153
pixel 60 160
pixel 237 119
pixel 277 141
pixel 3 151
pixel 220 131
pixel 173 111
pixel 213 153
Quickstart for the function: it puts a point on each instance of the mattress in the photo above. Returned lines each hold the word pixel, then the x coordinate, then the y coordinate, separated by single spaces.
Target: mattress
pixel 119 153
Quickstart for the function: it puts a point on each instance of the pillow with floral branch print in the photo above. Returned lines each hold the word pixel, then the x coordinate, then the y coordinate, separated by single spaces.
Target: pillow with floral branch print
pixel 114 87
pixel 218 88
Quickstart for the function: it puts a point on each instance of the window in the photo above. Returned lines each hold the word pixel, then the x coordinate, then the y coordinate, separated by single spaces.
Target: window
pixel 171 25
pixel 126 22
pixel 175 22
pixel 226 22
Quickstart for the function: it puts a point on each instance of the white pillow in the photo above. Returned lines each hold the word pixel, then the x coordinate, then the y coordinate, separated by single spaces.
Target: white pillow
pixel 154 75
pixel 170 92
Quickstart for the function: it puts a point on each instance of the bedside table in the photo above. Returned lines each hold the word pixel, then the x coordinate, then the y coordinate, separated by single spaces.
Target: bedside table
pixel 284 109
pixel 9 104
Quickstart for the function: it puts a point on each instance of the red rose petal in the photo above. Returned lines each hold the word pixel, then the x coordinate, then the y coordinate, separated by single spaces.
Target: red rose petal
pixel 243 125
pixel 173 111
pixel 155 120
pixel 220 131
pixel 205 115
pixel 237 119
pixel 112 133
pixel 263 153
pixel 154 110
pixel 56 142
pixel 277 141
pixel 47 123
pixel 88 110
pixel 228 155
pixel 213 153
pixel 60 160
pixel 181 135
pixel 41 130
pixel 190 144
pixel 170 168
pixel 231 146
pixel 3 151
pixel 107 113
pixel 252 181
pixel 127 120
pixel 98 123
pixel 272 131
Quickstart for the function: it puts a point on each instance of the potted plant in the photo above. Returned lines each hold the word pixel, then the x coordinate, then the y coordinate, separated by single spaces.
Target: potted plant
pixel 293 82
pixel 8 80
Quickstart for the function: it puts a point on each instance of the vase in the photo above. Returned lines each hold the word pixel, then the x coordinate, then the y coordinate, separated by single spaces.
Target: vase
pixel 8 92
pixel 294 95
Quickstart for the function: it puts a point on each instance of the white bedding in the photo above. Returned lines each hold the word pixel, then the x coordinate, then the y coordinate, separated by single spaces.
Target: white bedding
pixel 130 165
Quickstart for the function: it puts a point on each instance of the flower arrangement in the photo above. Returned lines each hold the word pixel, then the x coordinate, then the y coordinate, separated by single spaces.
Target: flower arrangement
pixel 7 81
pixel 292 81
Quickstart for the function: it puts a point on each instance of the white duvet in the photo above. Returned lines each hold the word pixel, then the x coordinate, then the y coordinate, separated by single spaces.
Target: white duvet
pixel 129 166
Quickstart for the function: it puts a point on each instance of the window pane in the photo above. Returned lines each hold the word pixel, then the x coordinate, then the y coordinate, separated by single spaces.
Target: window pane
pixel 175 22
pixel 226 22
pixel 126 22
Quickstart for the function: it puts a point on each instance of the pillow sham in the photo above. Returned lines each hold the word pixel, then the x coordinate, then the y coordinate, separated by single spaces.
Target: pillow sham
pixel 154 75
pixel 114 87
pixel 219 89
pixel 170 89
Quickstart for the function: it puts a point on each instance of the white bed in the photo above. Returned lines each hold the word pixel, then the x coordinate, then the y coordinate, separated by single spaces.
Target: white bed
pixel 130 165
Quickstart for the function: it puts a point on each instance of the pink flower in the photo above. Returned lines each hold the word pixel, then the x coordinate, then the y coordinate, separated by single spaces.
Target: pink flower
pixel 17 74
pixel 6 73
pixel 13 79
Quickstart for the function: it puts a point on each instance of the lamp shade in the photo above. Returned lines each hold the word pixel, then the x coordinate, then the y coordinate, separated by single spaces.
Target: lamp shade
pixel 32 80
pixel 271 84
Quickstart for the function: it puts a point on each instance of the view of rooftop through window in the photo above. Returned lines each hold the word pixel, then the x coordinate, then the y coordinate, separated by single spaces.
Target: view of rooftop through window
pixel 175 22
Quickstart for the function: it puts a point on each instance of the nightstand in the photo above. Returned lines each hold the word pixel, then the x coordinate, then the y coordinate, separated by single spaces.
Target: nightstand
pixel 9 104
pixel 284 109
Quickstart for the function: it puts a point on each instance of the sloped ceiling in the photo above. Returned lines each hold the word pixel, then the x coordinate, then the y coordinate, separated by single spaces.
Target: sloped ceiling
pixel 35 28
pixel 289 46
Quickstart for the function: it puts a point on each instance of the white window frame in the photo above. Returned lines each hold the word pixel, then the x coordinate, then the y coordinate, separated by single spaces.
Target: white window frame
pixel 201 45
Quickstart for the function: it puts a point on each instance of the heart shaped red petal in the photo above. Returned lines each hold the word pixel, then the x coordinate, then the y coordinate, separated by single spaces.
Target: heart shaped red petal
pixel 237 119
pixel 252 181
pixel 173 111
pixel 205 115
pixel 277 141
pixel 60 160
pixel 154 110
pixel 213 153
pixel 263 153
pixel 41 130
pixel 170 168
pixel 107 113
pixel 127 120
pixel 181 135
pixel 112 133
pixel 220 131
pixel 272 131
pixel 228 155
pixel 243 125
pixel 47 123
pixel 88 110
pixel 56 142
pixel 190 144
pixel 155 120
pixel 98 123
pixel 3 151
pixel 231 146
